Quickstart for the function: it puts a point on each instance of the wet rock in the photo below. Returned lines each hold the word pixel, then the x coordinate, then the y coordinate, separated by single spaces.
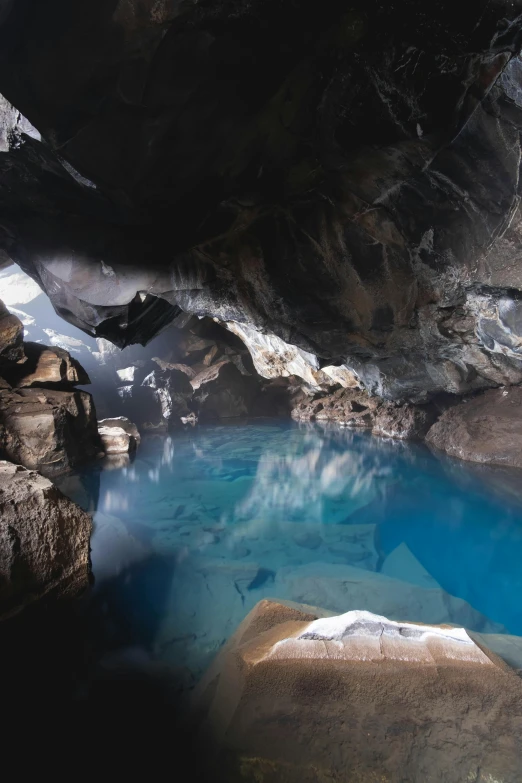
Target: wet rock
pixel 486 428
pixel 48 430
pixel 402 564
pixel 364 693
pixel 44 366
pixel 122 423
pixel 11 337
pixel 115 440
pixel 355 408
pixel 44 541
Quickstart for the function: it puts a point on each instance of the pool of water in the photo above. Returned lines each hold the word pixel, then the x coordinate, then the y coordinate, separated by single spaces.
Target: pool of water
pixel 204 523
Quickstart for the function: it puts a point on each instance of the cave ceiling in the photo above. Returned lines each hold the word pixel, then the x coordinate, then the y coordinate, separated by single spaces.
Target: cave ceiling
pixel 344 176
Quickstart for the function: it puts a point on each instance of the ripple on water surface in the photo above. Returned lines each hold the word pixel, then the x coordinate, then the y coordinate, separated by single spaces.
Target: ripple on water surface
pixel 205 523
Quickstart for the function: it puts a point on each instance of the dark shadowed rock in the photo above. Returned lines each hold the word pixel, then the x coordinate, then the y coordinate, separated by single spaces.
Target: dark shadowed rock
pixel 486 428
pixel 222 392
pixel 48 430
pixel 44 541
pixel 46 366
pixel 298 695
pixel 347 181
pixel 11 337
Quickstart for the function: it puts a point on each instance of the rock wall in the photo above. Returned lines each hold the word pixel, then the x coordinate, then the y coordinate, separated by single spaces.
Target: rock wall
pixel 46 423
pixel 44 541
pixel 346 182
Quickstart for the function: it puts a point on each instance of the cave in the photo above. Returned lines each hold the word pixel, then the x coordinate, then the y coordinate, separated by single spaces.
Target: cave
pixel 261 389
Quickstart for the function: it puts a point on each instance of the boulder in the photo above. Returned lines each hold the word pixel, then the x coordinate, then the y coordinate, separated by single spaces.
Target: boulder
pixel 11 337
pixel 48 430
pixel 46 366
pixel 486 428
pixel 44 541
pixel 299 696
pixel 222 392
pixel 115 440
pixel 123 423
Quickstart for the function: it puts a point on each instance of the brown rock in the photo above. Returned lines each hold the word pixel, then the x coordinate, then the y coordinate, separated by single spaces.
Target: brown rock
pixel 46 366
pixel 486 428
pixel 11 337
pixel 48 430
pixel 355 408
pixel 44 540
pixel 115 440
pixel 123 423
pixel 298 697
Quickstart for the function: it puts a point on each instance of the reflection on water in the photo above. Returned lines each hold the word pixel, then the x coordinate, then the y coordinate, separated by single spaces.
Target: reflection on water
pixel 203 524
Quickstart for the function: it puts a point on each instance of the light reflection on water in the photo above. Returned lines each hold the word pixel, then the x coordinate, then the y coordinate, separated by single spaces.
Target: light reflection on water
pixel 204 523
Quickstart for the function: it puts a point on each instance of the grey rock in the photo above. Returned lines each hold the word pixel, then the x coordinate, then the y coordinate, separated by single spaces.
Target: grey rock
pixel 44 541
pixel 353 190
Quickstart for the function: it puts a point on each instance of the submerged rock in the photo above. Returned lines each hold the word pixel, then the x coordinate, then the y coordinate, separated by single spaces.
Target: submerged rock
pixel 299 696
pixel 44 541
pixel 343 587
pixel 48 430
pixel 486 428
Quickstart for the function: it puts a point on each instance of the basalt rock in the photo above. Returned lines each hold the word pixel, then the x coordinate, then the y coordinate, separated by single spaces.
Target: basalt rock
pixel 346 181
pixel 355 408
pixel 222 392
pixel 50 430
pixel 486 428
pixel 44 541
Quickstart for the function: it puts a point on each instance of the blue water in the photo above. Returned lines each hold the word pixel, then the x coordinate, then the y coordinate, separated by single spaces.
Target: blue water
pixel 204 523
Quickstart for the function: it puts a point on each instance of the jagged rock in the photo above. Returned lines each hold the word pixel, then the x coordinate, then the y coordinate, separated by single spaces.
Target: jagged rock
pixel 46 366
pixel 11 337
pixel 354 408
pixel 44 541
pixel 222 392
pixel 48 430
pixel 368 698
pixel 361 205
pixel 486 428
pixel 126 374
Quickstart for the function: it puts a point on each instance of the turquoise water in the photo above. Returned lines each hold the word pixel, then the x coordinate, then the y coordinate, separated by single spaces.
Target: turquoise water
pixel 204 523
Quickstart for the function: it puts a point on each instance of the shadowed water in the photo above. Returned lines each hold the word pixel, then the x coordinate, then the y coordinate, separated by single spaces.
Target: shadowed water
pixel 206 522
